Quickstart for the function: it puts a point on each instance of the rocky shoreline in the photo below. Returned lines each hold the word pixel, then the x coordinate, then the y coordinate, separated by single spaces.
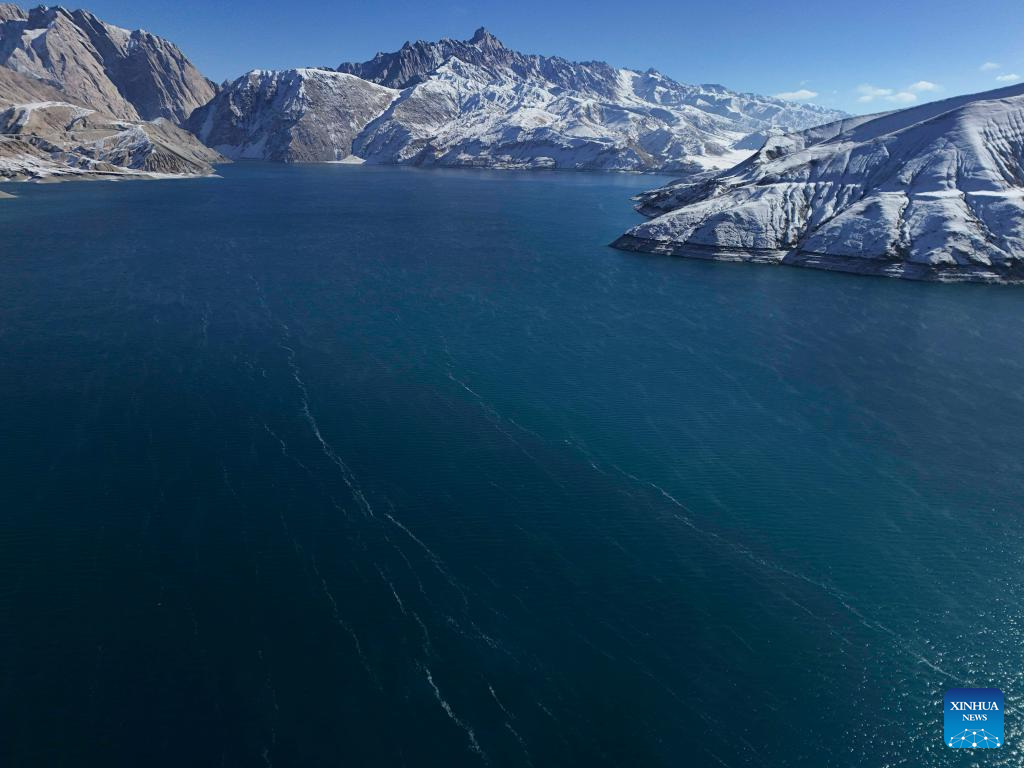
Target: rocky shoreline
pixel 848 264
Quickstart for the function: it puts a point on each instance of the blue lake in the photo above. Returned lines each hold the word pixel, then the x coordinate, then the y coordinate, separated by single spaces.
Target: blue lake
pixel 356 466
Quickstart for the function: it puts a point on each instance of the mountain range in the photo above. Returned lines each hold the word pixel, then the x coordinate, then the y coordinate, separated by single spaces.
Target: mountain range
pixel 452 102
pixel 934 192
pixel 478 103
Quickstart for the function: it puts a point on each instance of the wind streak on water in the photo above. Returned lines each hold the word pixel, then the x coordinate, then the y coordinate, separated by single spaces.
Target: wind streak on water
pixel 687 517
pixel 328 449
pixel 470 734
pixel 470 630
pixel 509 717
pixel 347 475
pixel 830 590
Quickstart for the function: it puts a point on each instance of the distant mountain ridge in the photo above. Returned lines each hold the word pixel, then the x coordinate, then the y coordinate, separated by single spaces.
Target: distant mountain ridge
pixel 478 103
pixel 934 192
pixel 414 62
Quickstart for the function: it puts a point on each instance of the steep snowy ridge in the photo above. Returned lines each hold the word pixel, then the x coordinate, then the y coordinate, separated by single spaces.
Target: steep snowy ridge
pixel 935 192
pixel 477 103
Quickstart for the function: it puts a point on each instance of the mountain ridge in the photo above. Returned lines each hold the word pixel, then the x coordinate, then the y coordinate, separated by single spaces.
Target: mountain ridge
pixel 477 102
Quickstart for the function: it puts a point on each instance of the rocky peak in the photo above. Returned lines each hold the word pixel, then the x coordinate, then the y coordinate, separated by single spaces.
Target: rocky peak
pixel 414 62
pixel 44 15
pixel 484 39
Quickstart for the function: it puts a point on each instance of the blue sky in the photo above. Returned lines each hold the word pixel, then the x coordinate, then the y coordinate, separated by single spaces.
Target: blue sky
pixel 859 56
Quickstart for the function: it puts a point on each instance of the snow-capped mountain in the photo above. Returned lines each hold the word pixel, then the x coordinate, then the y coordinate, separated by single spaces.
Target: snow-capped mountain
pixel 415 62
pixel 935 192
pixel 301 115
pixel 476 102
pixel 127 75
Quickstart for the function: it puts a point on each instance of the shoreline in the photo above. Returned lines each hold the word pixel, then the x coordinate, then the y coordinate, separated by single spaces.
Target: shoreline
pixel 901 270
pixel 129 175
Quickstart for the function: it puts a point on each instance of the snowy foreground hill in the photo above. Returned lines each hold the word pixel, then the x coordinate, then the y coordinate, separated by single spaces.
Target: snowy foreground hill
pixel 935 192
pixel 478 103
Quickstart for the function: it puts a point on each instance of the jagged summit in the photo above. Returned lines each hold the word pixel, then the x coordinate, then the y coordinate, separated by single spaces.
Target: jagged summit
pixel 415 61
pixel 478 102
pixel 483 36
pixel 931 192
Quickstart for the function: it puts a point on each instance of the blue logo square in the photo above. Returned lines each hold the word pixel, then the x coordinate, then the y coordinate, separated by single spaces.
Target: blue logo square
pixel 974 718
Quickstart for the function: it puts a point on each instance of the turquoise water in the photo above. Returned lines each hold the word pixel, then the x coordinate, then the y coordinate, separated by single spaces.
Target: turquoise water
pixel 314 466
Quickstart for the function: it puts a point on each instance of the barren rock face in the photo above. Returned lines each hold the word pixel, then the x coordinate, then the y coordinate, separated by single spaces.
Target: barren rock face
pixel 932 192
pixel 11 12
pixel 128 75
pixel 22 89
pixel 152 74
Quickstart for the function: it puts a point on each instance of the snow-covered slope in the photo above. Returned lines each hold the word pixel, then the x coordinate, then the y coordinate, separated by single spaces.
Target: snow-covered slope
pixel 467 114
pixel 476 102
pixel 54 139
pixel 933 192
pixel 129 75
pixel 295 115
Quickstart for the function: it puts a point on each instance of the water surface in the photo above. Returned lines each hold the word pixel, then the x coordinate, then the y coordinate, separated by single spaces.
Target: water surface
pixel 321 466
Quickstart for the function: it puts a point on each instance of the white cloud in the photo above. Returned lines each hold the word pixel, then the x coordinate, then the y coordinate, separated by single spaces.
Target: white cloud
pixel 988 66
pixel 802 95
pixel 870 93
pixel 1009 78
